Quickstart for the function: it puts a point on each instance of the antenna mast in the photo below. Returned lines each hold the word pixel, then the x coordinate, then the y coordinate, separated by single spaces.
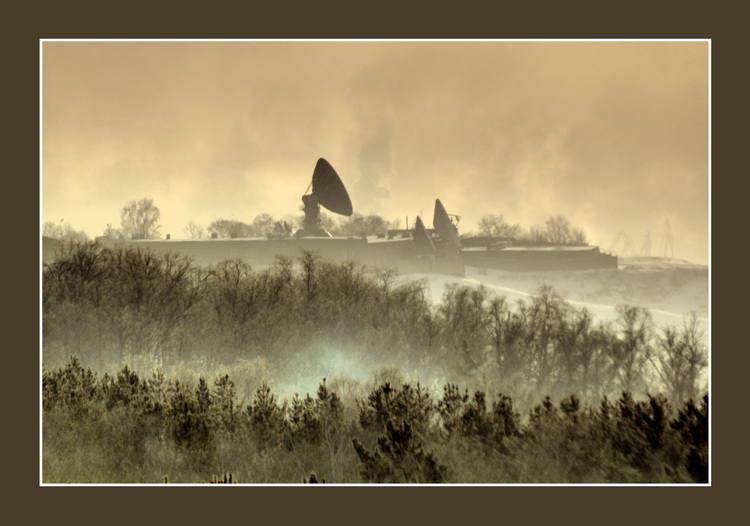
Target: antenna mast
pixel 667 247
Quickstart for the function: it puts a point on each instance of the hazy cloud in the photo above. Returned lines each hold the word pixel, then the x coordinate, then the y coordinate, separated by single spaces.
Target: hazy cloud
pixel 612 134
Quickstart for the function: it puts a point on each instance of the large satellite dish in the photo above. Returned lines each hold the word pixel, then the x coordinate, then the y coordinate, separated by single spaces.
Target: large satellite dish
pixel 331 193
pixel 421 237
pixel 444 226
pixel 328 191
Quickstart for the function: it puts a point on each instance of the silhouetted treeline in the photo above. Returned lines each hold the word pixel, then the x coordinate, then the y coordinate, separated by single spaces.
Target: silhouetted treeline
pixel 131 305
pixel 127 428
pixel 264 225
pixel 557 230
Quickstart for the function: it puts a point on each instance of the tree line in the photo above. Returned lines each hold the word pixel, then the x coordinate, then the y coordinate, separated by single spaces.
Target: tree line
pixel 128 428
pixel 265 225
pixel 131 305
pixel 139 219
pixel 557 230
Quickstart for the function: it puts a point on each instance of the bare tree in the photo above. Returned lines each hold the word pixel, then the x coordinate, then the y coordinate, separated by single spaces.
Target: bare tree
pixel 113 233
pixel 360 225
pixel 465 335
pixel 506 330
pixel 578 237
pixel 543 316
pixel 631 352
pixel 230 228
pixel 495 225
pixel 194 230
pixel 63 231
pixel 263 224
pixel 52 229
pixel 680 361
pixel 558 230
pixel 140 219
pixel 536 234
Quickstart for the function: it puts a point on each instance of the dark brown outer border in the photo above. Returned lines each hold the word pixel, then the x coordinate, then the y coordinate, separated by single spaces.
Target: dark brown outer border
pixel 27 23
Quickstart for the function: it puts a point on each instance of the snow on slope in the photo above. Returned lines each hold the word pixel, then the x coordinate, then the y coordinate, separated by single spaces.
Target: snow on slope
pixel 671 289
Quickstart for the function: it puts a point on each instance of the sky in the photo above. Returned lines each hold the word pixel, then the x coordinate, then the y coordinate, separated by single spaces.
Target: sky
pixel 612 135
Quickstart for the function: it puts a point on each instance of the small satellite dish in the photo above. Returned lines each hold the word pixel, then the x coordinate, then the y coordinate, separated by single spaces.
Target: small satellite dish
pixel 421 237
pixel 327 190
pixel 444 226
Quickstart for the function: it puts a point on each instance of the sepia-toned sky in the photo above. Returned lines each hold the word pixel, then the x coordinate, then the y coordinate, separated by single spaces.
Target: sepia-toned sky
pixel 613 135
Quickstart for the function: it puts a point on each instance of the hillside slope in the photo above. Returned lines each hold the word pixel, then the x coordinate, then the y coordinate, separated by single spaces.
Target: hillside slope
pixel 671 289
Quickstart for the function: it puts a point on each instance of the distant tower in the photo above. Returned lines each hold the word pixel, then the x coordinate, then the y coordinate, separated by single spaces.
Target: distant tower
pixel 646 250
pixel 667 248
pixel 628 248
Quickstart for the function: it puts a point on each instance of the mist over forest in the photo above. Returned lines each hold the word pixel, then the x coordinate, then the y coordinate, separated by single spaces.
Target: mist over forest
pixel 159 368
pixel 127 316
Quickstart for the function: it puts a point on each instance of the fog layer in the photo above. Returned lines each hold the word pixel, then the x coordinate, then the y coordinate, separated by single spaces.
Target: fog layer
pixel 613 135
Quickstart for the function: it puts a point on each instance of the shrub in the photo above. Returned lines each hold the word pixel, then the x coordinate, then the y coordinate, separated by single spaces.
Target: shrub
pixel 73 388
pixel 692 426
pixel 388 405
pixel 398 458
pixel 266 417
